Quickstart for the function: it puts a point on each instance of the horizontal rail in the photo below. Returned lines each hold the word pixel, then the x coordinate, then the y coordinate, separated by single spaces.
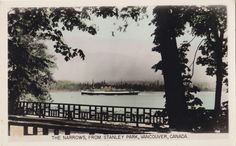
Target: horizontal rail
pixel 91 105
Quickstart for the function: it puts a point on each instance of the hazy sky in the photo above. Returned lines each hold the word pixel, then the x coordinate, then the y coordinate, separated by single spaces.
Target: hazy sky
pixel 126 56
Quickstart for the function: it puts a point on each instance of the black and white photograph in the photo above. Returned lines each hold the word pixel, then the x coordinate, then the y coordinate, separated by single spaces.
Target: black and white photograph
pixel 118 72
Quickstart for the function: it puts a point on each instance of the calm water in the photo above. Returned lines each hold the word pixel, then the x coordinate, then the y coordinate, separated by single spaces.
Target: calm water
pixel 144 99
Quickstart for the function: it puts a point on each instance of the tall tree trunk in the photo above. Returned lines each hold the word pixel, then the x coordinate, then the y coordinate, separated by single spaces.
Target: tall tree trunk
pixel 12 103
pixel 218 90
pixel 219 73
pixel 174 91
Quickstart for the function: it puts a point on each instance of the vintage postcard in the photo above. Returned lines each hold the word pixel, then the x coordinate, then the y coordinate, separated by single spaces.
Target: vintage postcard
pixel 106 73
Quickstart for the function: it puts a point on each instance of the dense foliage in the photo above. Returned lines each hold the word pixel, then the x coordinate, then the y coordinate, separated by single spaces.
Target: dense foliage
pixel 29 70
pixel 211 23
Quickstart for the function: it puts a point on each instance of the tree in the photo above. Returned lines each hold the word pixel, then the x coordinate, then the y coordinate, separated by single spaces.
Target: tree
pixel 210 22
pixel 29 70
pixel 170 23
pixel 29 65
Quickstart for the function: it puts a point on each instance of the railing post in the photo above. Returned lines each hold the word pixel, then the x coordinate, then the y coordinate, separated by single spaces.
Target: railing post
pixel 25 108
pixel 67 131
pixel 49 109
pixel 150 115
pixel 137 117
pixel 125 114
pixel 101 114
pixel 56 131
pixel 44 110
pixel 40 110
pixel 45 131
pixel 63 110
pixel 68 112
pixel 36 108
pixel 107 114
pixel 58 110
pixel 113 114
pixel 91 111
pixel 35 130
pixel 73 111
pixel 9 129
pixel 79 112
pixel 131 114
pixel 25 130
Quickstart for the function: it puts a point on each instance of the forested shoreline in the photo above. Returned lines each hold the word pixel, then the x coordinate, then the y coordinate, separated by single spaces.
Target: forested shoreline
pixel 64 85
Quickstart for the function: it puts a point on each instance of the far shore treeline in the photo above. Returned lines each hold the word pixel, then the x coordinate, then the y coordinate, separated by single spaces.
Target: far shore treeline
pixel 64 85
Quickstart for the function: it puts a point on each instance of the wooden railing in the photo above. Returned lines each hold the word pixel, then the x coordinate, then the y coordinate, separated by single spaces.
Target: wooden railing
pixel 101 113
pixel 68 116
